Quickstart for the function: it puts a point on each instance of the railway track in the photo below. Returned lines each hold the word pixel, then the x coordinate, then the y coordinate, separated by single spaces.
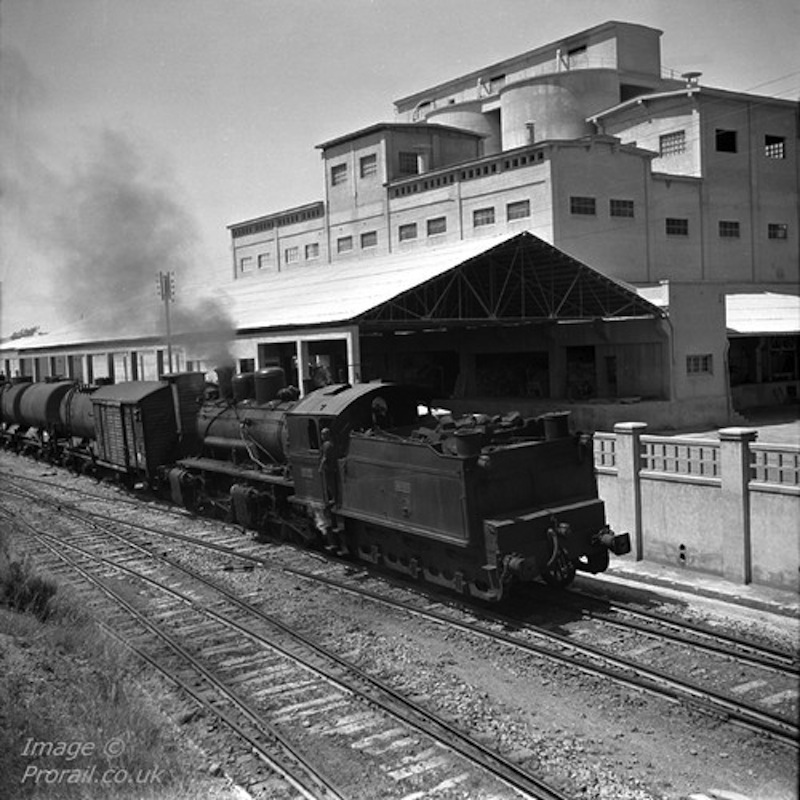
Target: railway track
pixel 726 677
pixel 263 670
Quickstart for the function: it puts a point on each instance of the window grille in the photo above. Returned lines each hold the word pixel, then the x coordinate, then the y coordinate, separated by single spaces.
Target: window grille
pixel 677 227
pixel 777 230
pixel 728 229
pixel 482 216
pixel 671 143
pixel 437 225
pixel 408 164
pixel 369 165
pixel 518 210
pixel 774 146
pixel 700 364
pixel 583 205
pixel 406 232
pixel 621 208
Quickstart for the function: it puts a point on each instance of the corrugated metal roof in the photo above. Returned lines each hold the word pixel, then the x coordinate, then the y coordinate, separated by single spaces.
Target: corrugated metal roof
pixel 326 294
pixel 336 294
pixel 763 313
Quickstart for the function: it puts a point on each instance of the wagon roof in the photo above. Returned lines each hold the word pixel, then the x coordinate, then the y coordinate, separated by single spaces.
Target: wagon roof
pixel 129 392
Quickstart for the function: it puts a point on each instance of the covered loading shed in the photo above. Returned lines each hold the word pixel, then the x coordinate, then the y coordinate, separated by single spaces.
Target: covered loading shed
pixel 507 319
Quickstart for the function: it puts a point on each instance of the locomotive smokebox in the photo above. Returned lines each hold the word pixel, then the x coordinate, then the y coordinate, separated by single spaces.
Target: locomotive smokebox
pixel 225 379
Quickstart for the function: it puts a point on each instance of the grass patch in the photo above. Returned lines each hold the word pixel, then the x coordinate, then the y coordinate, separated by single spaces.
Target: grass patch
pixel 21 587
pixel 75 721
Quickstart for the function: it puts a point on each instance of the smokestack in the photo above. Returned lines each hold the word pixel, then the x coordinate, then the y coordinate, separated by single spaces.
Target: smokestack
pixel 225 378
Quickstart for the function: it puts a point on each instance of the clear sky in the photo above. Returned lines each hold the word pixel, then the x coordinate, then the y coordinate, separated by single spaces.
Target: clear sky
pixel 132 132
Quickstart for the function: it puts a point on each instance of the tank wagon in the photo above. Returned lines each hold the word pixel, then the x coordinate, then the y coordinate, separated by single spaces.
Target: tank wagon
pixel 476 504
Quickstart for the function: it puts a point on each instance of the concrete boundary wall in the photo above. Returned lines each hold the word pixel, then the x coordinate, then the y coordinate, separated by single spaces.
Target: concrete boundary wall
pixel 727 507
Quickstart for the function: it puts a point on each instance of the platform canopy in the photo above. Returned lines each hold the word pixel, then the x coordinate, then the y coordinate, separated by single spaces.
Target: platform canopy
pixel 508 280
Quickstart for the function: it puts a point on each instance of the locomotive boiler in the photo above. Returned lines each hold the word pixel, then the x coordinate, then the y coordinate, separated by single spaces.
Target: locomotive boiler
pixel 476 504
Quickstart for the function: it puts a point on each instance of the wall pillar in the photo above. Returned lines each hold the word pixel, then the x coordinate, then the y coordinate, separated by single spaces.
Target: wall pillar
pixel 629 490
pixel 303 371
pixel 353 357
pixel 734 465
pixel 87 369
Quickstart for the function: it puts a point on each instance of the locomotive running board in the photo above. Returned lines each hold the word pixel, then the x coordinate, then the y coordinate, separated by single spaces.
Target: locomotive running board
pixel 210 465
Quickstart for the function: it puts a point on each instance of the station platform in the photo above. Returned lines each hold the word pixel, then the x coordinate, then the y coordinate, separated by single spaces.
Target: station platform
pixel 648 574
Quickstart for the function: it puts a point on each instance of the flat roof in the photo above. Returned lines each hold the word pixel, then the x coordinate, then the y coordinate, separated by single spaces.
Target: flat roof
pixel 746 313
pixel 688 92
pixel 542 50
pixel 762 314
pixel 403 127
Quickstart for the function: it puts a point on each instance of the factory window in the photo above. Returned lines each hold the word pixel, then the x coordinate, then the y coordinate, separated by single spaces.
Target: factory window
pixel 369 165
pixel 369 239
pixel 620 208
pixel 677 227
pixel 291 255
pixel 518 209
pixel 576 57
pixel 777 230
pixel 482 216
pixel 671 143
pixel 406 232
pixel 408 164
pixel 264 260
pixel 246 264
pixel 582 205
pixel 437 225
pixel 344 244
pixel 728 229
pixel 496 83
pixel 700 364
pixel 774 146
pixel 312 251
pixel 338 174
pixel 725 141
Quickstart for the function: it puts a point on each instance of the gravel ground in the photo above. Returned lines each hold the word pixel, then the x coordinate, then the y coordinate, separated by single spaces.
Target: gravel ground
pixel 597 739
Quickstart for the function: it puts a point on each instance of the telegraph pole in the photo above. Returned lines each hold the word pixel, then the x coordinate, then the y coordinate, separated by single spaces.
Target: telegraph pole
pixel 166 291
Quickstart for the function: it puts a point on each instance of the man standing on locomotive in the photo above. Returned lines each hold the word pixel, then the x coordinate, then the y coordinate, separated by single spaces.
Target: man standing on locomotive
pixel 328 469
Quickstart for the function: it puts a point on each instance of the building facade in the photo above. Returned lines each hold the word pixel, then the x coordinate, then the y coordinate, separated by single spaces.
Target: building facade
pixel 589 144
pixel 686 193
pixel 584 143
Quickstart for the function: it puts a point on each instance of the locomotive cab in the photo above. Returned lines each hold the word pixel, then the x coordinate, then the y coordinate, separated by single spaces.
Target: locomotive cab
pixel 343 410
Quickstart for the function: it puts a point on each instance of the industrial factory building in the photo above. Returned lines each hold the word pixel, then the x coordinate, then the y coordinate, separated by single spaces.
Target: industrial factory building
pixel 570 225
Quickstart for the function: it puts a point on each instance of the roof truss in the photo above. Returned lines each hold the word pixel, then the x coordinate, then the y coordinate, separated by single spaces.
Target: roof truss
pixel 523 279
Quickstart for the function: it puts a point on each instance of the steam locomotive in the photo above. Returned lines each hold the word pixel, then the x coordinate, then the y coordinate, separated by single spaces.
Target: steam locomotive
pixel 476 503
